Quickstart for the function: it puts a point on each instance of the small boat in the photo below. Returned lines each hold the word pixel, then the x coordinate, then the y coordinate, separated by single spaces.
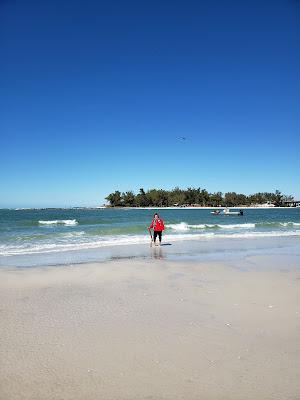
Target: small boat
pixel 216 212
pixel 227 211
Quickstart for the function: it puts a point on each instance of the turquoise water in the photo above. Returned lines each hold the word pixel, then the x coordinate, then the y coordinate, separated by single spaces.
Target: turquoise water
pixel 36 232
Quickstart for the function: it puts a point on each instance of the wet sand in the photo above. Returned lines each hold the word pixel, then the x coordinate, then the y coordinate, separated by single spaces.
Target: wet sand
pixel 152 329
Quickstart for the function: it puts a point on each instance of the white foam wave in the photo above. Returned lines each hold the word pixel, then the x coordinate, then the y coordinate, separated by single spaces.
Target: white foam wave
pixel 59 222
pixel 279 224
pixel 289 224
pixel 238 226
pixel 133 240
pixel 183 226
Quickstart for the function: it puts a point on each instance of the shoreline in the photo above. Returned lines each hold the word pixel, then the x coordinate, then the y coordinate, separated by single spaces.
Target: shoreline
pixel 207 248
pixel 200 208
pixel 161 329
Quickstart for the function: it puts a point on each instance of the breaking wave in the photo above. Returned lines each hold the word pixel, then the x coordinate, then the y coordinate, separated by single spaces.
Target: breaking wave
pixel 183 226
pixel 279 224
pixel 119 240
pixel 59 222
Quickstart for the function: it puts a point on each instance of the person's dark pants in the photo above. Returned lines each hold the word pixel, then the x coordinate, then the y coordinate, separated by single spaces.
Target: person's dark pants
pixel 157 233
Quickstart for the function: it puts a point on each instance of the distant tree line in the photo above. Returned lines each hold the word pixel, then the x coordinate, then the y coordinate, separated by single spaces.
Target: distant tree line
pixel 192 197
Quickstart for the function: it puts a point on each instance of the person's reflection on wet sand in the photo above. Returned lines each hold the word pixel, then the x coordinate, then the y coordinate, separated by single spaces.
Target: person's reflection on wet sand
pixel 157 253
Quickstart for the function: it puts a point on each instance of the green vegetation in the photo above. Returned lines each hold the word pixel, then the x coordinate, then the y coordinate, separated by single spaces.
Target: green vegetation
pixel 192 197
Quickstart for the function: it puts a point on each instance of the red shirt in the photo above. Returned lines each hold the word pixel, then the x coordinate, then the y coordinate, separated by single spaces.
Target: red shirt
pixel 157 224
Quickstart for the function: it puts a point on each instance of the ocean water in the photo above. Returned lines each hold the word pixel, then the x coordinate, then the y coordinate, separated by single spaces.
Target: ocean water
pixel 28 237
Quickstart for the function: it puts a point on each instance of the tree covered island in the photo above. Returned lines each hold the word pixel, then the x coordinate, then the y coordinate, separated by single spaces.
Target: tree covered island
pixel 195 197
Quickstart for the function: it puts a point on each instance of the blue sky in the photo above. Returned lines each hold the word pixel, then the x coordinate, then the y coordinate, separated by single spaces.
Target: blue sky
pixel 94 96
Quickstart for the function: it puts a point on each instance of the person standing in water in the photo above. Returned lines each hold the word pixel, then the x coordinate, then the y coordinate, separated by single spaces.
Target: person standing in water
pixel 158 226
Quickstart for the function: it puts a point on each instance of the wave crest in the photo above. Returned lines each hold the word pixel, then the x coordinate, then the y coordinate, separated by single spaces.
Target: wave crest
pixel 134 240
pixel 183 226
pixel 59 222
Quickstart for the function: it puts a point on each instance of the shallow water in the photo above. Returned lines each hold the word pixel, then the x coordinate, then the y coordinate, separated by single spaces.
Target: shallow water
pixel 77 235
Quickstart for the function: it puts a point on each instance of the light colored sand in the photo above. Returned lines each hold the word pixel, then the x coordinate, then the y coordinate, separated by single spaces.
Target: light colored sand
pixel 150 330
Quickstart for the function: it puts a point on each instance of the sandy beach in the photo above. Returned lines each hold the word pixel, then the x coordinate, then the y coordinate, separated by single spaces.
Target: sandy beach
pixel 150 200
pixel 152 329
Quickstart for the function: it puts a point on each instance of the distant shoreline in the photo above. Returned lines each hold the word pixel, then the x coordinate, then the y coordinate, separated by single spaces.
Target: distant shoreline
pixel 147 208
pixel 200 208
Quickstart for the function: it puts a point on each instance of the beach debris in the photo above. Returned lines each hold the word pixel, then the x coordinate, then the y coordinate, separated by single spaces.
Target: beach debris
pixel 228 324
pixel 270 306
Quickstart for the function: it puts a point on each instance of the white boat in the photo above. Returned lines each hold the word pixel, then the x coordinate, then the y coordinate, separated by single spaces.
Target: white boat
pixel 265 205
pixel 227 211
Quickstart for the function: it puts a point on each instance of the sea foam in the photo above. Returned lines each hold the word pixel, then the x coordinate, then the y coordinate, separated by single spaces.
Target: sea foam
pixel 120 240
pixel 183 226
pixel 59 222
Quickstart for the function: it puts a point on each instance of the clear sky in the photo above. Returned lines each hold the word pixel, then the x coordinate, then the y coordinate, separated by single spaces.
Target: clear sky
pixel 94 96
